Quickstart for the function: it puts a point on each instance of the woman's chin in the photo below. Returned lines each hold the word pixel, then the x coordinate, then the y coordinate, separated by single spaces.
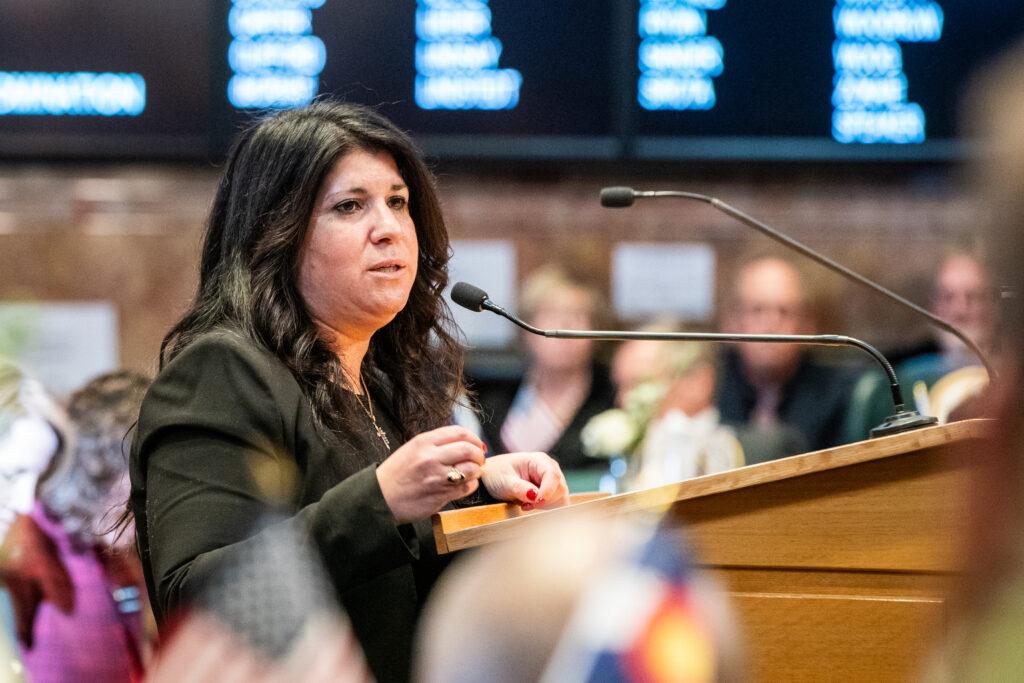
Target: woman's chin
pixel 389 310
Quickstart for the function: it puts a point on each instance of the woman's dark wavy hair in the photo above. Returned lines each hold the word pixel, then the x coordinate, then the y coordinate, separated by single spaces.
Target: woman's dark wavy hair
pixel 247 277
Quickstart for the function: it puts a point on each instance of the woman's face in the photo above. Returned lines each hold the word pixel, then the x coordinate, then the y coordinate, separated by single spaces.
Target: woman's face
pixel 359 260
pixel 566 308
pixel 25 452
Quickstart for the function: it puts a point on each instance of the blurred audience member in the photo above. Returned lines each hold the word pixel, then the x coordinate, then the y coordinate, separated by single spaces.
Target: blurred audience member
pixel 99 635
pixel 783 398
pixel 609 601
pixel 91 495
pixel 683 438
pixel 35 438
pixel 963 294
pixel 35 443
pixel 563 386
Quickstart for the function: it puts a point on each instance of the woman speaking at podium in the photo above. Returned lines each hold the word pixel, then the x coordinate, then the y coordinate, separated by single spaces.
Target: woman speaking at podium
pixel 318 350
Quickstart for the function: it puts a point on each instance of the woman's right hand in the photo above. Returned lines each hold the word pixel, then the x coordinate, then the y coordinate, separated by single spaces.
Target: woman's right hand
pixel 414 479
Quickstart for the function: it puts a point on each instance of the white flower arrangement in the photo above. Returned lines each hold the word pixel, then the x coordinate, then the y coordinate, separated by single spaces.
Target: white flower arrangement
pixel 618 431
pixel 611 433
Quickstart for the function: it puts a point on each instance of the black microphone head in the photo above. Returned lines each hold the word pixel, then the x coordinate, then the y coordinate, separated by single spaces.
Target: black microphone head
pixel 617 197
pixel 468 296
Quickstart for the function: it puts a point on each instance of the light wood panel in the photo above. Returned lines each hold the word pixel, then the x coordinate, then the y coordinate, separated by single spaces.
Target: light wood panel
pixel 891 514
pixel 807 625
pixel 469 527
pixel 796 637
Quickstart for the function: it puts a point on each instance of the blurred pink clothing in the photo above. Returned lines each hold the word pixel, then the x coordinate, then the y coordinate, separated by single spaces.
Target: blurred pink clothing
pixel 95 642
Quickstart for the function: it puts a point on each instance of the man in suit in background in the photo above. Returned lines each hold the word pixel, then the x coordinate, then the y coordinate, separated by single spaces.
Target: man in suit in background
pixel 780 399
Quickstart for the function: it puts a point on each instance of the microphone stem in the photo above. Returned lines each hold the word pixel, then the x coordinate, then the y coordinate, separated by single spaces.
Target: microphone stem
pixel 774 234
pixel 810 340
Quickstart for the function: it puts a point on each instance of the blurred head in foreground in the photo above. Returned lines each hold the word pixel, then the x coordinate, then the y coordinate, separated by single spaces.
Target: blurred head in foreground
pixel 578 601
pixel 999 179
pixel 987 644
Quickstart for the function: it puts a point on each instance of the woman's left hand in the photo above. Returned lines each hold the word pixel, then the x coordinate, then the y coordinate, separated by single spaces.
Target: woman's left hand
pixel 532 479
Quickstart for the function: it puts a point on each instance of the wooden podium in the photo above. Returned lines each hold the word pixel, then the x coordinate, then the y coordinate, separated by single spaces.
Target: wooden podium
pixel 838 563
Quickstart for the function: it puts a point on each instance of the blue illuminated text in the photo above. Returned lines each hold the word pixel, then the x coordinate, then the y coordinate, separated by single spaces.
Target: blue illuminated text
pixel 81 93
pixel 869 93
pixel 457 58
pixel 677 58
pixel 274 57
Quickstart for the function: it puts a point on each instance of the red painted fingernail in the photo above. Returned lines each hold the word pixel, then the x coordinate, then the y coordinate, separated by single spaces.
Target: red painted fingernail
pixel 531 494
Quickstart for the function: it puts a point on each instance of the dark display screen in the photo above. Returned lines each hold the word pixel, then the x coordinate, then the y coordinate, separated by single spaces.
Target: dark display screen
pixel 504 78
pixel 835 78
pixel 105 77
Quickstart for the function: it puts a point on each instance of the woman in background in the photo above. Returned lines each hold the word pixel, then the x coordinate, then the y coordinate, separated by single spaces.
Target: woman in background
pixel 683 437
pixel 99 635
pixel 563 386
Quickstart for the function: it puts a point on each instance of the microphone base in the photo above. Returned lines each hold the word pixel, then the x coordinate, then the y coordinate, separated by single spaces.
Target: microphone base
pixel 903 421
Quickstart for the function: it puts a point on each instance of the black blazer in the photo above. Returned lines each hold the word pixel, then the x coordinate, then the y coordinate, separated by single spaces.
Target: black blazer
pixel 219 407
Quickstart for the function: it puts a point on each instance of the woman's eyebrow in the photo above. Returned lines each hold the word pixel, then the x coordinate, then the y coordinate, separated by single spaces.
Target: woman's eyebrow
pixel 350 190
pixel 362 190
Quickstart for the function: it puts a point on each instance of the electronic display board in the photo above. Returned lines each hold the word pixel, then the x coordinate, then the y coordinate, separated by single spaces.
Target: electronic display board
pixel 104 77
pixel 797 79
pixel 498 69
pixel 558 79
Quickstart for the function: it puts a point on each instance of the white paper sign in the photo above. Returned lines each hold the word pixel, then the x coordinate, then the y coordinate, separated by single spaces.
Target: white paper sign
pixel 651 279
pixel 491 266
pixel 63 344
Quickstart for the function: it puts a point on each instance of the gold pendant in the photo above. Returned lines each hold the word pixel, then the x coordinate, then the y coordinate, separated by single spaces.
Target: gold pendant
pixel 383 436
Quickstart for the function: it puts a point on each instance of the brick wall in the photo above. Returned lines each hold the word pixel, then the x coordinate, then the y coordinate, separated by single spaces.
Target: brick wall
pixel 131 234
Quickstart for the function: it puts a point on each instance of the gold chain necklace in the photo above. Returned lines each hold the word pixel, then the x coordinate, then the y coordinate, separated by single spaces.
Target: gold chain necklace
pixel 368 409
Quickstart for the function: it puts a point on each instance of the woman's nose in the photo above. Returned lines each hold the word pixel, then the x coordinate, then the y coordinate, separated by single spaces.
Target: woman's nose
pixel 386 225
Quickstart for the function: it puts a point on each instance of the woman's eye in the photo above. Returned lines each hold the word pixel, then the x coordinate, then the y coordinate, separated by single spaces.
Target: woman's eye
pixel 398 202
pixel 347 206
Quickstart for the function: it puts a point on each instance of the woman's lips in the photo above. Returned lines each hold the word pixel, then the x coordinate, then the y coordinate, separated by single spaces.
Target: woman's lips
pixel 388 267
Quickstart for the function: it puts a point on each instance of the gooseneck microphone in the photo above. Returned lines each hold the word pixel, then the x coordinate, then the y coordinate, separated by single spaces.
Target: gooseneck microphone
pixel 476 299
pixel 622 197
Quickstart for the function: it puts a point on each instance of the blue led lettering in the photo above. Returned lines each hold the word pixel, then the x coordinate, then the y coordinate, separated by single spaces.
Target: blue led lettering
pixel 28 93
pixel 437 58
pixel 677 58
pixel 869 93
pixel 246 23
pixel 457 58
pixel 275 60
